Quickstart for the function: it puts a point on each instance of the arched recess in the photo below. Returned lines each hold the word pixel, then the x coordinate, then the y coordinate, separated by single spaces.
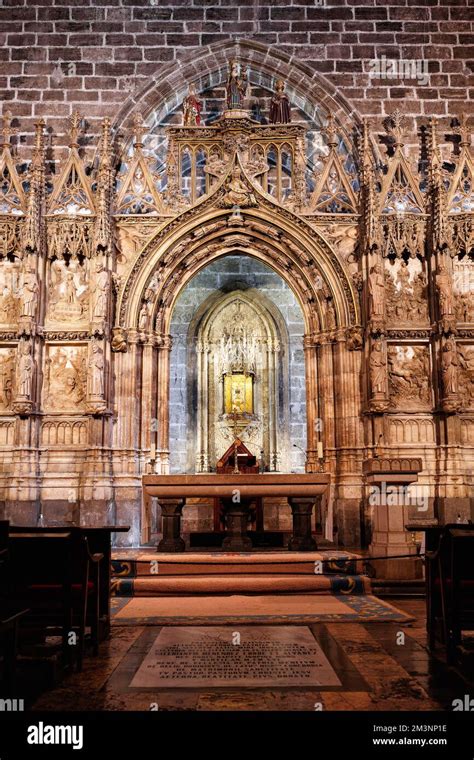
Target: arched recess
pixel 238 328
pixel 271 234
pixel 167 87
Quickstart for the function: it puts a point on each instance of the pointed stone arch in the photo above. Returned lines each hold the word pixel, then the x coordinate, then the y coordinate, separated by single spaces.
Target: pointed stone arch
pixel 167 88
pixel 271 233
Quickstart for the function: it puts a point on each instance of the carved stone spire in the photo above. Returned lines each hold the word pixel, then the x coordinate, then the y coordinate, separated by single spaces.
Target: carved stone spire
pixel 7 130
pixel 104 189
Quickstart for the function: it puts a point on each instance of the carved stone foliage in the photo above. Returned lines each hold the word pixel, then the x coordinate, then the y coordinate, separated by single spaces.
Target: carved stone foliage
pixel 406 292
pixel 466 375
pixel 65 378
pixel 68 292
pixel 7 378
pixel 409 377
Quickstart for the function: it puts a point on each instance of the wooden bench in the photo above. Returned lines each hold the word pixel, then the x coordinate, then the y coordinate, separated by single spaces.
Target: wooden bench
pixel 99 542
pixel 55 575
pixel 10 616
pixel 449 585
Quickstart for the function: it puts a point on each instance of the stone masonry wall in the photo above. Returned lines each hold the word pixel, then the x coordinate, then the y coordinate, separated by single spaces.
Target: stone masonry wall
pixel 60 55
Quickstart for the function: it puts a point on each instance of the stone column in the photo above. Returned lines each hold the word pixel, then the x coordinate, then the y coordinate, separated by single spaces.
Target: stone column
pixel 163 390
pixel 302 510
pixel 312 410
pixel 147 394
pixel 389 479
pixel 171 510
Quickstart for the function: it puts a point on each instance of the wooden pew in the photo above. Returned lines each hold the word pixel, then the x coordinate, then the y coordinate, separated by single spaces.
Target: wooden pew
pixel 10 617
pixel 99 542
pixel 57 577
pixel 449 585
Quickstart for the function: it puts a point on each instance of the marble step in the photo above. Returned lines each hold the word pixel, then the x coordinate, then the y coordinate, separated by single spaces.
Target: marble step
pixel 140 564
pixel 240 583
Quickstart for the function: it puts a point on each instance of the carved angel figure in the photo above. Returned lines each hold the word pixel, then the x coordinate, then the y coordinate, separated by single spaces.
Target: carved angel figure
pixel 237 193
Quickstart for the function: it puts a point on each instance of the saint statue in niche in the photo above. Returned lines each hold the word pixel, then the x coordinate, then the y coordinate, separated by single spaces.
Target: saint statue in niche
pixel 236 87
pixel 192 108
pixel 449 367
pixel 25 370
pixel 445 292
pixel 280 112
pixel 96 368
pixel 29 293
pixel 100 292
pixel 378 369
pixel 377 291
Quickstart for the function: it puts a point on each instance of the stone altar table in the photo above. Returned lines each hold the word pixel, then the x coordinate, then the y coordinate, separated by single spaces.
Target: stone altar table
pixel 236 492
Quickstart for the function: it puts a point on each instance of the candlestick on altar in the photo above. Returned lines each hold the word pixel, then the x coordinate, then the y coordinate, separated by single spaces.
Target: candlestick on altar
pixel 236 445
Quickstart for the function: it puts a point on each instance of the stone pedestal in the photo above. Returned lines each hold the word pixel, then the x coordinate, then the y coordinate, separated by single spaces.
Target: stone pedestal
pixel 236 521
pixel 390 478
pixel 171 510
pixel 302 510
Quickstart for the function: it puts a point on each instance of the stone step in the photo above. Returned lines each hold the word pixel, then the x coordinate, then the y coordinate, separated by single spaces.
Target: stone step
pixel 240 583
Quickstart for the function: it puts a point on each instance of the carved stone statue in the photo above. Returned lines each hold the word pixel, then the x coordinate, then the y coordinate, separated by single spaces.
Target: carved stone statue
pixel 192 108
pixel 237 193
pixel 96 370
pixel 236 87
pixel 377 292
pixel 119 340
pixel 280 112
pixel 25 370
pixel 450 367
pixel 378 369
pixel 143 317
pixel 99 310
pixel 445 291
pixel 7 361
pixel 29 293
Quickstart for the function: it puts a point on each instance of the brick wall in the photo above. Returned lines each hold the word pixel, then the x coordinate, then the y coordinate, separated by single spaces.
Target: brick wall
pixel 58 55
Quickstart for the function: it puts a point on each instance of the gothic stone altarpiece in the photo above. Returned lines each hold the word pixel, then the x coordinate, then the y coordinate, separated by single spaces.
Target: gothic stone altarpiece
pixel 93 256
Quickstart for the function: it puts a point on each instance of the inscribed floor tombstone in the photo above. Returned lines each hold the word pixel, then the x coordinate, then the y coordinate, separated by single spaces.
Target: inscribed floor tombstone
pixel 194 657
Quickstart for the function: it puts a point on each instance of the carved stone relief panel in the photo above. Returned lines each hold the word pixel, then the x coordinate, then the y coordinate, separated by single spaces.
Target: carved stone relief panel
pixel 7 433
pixel 9 292
pixel 65 378
pixel 68 292
pixel 411 430
pixel 466 375
pixel 7 378
pixel 406 291
pixel 64 432
pixel 463 286
pixel 467 431
pixel 409 377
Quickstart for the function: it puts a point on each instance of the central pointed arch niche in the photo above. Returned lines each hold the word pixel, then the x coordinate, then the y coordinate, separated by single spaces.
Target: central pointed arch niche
pixel 237 331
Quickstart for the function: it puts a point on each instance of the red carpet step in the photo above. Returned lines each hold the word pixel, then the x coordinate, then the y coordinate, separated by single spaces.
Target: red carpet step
pixel 145 574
